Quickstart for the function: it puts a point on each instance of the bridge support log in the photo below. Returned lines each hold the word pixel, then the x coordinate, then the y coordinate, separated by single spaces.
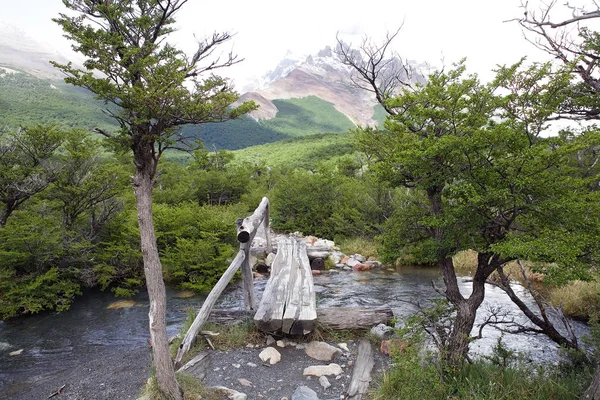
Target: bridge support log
pixel 328 318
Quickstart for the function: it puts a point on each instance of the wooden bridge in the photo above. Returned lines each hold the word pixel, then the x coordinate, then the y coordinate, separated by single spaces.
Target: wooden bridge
pixel 288 303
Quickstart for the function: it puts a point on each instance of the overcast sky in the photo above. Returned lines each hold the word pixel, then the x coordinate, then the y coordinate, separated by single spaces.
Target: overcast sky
pixel 434 31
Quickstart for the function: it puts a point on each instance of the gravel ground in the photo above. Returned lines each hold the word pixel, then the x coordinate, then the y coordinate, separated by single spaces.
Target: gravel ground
pixel 273 382
pixel 121 375
pixel 116 376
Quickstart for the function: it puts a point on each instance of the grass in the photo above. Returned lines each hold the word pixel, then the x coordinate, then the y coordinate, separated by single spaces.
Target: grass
pixel 193 389
pixel 228 336
pixel 415 377
pixel 577 299
pixel 358 245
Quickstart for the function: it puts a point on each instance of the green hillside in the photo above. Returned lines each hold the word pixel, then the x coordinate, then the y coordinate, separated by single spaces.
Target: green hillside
pixel 26 99
pixel 296 117
pixel 304 152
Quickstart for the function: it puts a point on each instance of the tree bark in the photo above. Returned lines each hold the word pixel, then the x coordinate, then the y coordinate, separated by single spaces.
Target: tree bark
pixel 593 391
pixel 457 348
pixel 165 373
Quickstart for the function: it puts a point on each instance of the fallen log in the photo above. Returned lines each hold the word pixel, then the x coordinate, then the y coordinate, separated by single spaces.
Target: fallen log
pixel 328 318
pixel 197 366
pixel 361 375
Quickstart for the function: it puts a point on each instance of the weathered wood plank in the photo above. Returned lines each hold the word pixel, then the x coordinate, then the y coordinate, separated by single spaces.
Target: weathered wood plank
pixel 197 366
pixel 361 375
pixel 288 303
pixel 190 336
pixel 272 306
pixel 300 313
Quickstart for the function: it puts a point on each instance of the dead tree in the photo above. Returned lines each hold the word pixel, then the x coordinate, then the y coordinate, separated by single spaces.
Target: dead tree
pixel 376 69
pixel 575 46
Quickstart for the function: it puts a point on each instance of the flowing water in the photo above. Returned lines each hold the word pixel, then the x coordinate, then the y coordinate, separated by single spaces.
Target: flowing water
pixel 54 342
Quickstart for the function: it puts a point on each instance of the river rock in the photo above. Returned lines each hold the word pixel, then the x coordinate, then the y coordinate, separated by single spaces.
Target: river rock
pixel 269 259
pixel 232 394
pixel 322 370
pixel 361 267
pixel 304 393
pixel 324 382
pixel 359 257
pixel 382 331
pixel 270 354
pixel 352 262
pixel 322 351
pixel 336 257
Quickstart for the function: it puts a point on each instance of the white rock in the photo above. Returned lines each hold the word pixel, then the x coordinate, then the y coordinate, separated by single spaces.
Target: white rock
pixel 359 258
pixel 322 370
pixel 280 343
pixel 352 262
pixel 15 353
pixel 344 347
pixel 252 365
pixel 270 354
pixel 322 351
pixel 245 382
pixel 236 365
pixel 324 382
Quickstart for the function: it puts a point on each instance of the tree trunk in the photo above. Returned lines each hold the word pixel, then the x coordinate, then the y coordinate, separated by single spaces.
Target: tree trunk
pixel 593 391
pixel 165 373
pixel 457 348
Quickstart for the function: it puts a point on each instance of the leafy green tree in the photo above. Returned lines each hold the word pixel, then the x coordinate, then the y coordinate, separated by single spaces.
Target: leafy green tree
pixel 27 164
pixel 486 178
pixel 156 89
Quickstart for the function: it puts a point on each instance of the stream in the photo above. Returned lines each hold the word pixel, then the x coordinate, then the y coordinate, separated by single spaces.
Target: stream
pixel 53 342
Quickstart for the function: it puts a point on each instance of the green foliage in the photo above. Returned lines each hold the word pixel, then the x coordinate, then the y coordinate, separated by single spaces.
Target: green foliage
pixel 303 152
pixel 416 375
pixel 26 100
pixel 196 243
pixel 295 118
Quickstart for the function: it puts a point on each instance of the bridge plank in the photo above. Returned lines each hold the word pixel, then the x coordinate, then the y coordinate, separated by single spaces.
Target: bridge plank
pixel 288 303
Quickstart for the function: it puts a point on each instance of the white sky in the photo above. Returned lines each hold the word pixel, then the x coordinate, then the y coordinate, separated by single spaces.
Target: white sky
pixel 435 31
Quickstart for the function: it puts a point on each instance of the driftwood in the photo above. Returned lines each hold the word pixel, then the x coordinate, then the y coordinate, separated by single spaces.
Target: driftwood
pixel 190 336
pixel 328 318
pixel 288 303
pixel 197 366
pixel 361 375
pixel 59 391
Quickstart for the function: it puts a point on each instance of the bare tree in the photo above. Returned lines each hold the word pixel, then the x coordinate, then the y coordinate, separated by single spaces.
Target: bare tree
pixel 375 68
pixel 575 46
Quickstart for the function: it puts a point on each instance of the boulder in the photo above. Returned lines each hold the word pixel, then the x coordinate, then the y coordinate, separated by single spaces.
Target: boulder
pixel 322 351
pixel 359 257
pixel 352 262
